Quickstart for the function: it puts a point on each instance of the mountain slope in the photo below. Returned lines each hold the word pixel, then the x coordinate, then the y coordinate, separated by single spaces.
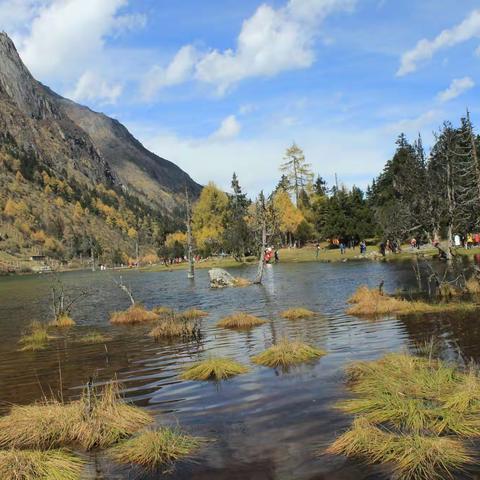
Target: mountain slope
pixel 72 180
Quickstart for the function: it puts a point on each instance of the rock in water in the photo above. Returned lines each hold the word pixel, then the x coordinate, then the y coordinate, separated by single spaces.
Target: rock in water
pixel 220 278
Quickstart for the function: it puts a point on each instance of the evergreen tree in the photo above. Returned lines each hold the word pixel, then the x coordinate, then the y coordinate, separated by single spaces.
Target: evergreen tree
pixel 297 171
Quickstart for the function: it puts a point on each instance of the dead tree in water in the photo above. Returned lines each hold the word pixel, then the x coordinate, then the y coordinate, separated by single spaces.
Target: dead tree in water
pixel 266 226
pixel 191 263
pixel 126 289
pixel 63 303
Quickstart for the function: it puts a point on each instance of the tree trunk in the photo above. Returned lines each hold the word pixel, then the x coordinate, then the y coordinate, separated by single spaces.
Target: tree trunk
pixel 261 262
pixel 191 264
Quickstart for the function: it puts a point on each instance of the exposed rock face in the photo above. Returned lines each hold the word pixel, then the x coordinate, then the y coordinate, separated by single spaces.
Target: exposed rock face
pixel 75 141
pixel 220 278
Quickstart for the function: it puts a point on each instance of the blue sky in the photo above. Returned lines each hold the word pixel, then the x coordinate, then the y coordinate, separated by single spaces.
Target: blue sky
pixel 223 86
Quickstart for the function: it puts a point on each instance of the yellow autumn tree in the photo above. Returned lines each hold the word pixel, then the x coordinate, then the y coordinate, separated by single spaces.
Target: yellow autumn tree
pixel 289 216
pixel 172 238
pixel 208 218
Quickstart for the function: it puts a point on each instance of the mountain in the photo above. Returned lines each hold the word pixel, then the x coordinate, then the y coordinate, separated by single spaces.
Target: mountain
pixel 56 152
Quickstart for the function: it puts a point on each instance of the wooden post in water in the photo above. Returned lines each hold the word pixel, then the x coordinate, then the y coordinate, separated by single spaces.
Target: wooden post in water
pixel 191 264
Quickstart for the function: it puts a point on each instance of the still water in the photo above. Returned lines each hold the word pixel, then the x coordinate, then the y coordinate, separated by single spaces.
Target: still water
pixel 266 424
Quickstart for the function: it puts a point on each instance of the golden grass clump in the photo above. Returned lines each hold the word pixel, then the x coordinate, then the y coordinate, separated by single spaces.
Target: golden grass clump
pixel 297 313
pixel 413 412
pixel 193 314
pixel 94 337
pixel 163 311
pixel 412 456
pixel 372 302
pixel 214 368
pixel 63 321
pixel 286 353
pixel 173 327
pixel 241 321
pixel 155 448
pixel 134 315
pixel 472 286
pixel 36 339
pixel 36 465
pixel 99 419
pixel 241 282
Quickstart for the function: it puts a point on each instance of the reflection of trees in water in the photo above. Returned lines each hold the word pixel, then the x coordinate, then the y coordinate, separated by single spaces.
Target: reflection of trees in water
pixel 457 335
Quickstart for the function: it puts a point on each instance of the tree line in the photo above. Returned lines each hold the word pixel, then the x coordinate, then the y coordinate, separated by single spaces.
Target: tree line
pixel 430 197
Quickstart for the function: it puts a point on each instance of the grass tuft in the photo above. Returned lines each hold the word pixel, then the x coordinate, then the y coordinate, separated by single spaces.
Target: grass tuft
pixel 193 314
pixel 372 302
pixel 156 448
pixel 412 456
pixel 241 321
pixel 472 286
pixel 63 321
pixel 95 337
pixel 99 419
pixel 134 315
pixel 174 327
pixel 297 313
pixel 36 465
pixel 241 282
pixel 163 311
pixel 214 368
pixel 36 339
pixel 287 353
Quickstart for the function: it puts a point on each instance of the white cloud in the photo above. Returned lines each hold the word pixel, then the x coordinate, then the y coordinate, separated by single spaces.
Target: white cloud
pixel 178 71
pixel 91 87
pixel 270 41
pixel 229 128
pixel 456 88
pixel 425 49
pixel 412 126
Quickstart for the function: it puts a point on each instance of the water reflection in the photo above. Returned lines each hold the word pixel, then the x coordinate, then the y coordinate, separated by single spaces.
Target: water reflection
pixel 267 424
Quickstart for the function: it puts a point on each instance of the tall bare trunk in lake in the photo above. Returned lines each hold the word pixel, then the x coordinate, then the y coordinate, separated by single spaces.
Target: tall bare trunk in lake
pixel 450 208
pixel 191 264
pixel 261 262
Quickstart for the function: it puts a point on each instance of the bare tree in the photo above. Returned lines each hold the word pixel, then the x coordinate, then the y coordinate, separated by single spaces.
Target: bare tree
pixel 62 303
pixel 191 262
pixel 125 289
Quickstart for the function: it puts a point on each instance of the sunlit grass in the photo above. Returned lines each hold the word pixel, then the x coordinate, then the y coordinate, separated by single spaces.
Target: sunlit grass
pixel 156 448
pixel 413 412
pixel 242 282
pixel 37 465
pixel 472 285
pixel 94 337
pixel 286 353
pixel 36 338
pixel 297 313
pixel 372 302
pixel 214 368
pixel 63 321
pixel 135 314
pixel 241 321
pixel 412 456
pixel 99 419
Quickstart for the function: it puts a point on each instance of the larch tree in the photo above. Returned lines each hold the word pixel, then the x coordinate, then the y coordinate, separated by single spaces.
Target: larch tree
pixel 297 171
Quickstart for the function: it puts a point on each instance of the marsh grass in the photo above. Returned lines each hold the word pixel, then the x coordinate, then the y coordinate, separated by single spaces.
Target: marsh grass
pixel 412 456
pixel 155 448
pixel 472 286
pixel 297 313
pixel 36 338
pixel 134 315
pixel 215 368
pixel 36 465
pixel 163 311
pixel 94 337
pixel 176 327
pixel 242 282
pixel 372 302
pixel 413 412
pixel 287 353
pixel 63 321
pixel 193 314
pixel 241 321
pixel 98 419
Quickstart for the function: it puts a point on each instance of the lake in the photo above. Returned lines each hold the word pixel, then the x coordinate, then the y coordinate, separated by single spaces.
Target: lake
pixel 267 424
